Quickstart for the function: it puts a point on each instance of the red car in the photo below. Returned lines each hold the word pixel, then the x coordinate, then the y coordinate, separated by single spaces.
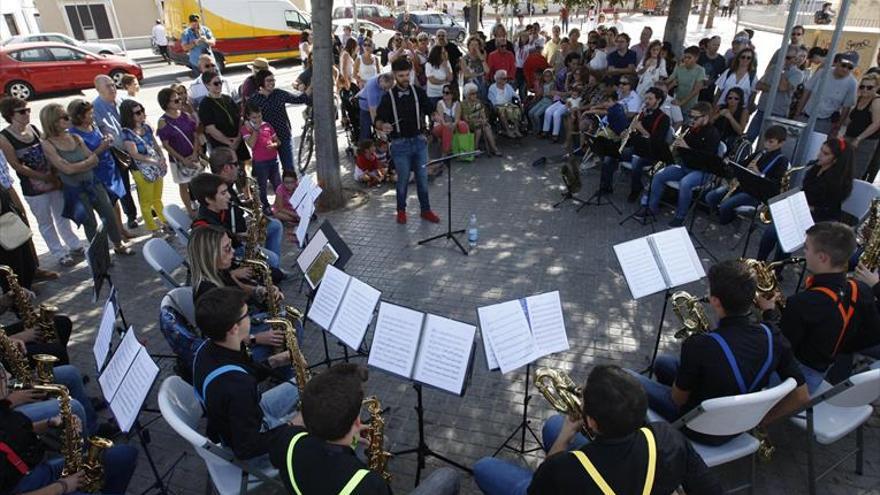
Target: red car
pixel 27 69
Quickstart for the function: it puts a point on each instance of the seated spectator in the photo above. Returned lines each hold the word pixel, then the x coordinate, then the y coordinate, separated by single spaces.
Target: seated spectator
pixel 475 115
pixel 282 209
pixel 131 86
pixel 368 169
pixel 501 97
pixel 731 118
pixel 447 119
pixel 543 88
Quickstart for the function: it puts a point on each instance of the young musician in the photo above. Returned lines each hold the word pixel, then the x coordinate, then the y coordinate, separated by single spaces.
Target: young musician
pixel 614 408
pixel 648 140
pixel 226 379
pixel 316 455
pixel 737 357
pixel 700 143
pixel 769 163
pixel 32 338
pixel 834 314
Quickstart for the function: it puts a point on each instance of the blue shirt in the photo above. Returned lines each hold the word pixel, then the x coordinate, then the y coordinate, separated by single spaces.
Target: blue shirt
pixel 189 36
pixel 371 95
pixel 619 61
pixel 616 117
pixel 107 119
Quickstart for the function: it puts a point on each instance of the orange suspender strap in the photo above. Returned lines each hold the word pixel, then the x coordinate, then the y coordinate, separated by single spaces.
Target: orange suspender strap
pixel 845 314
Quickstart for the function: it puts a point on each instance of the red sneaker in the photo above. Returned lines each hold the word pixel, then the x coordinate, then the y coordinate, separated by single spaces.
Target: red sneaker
pixel 401 216
pixel 430 216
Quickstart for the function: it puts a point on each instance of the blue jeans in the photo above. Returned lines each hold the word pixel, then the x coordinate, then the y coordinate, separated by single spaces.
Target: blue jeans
pixel 498 477
pixel 611 164
pixel 285 152
pixel 266 170
pixel 727 208
pixel 119 464
pixel 80 403
pixel 366 126
pixel 688 179
pixel 659 392
pixel 812 377
pixel 279 405
pixel 411 155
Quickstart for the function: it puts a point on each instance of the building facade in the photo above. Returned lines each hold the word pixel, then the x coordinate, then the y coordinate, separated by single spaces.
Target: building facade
pixel 19 17
pixel 126 22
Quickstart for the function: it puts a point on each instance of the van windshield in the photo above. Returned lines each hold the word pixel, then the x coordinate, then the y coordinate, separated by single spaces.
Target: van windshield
pixel 383 11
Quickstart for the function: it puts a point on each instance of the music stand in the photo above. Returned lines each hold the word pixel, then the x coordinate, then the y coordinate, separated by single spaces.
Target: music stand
pixel 602 147
pixel 524 425
pixel 450 234
pixel 710 164
pixel 758 187
pixel 663 155
pixel 650 369
pixel 568 194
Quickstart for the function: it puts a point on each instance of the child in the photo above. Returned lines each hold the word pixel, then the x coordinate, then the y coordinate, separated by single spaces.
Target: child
pixel 368 169
pixel 282 209
pixel 384 159
pixel 261 138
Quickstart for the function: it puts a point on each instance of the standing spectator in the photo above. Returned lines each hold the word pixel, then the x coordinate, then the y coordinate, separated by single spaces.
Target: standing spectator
pixel 150 165
pixel 739 43
pixel 448 119
pixel 792 77
pixel 740 74
pixel 714 64
pixel 197 40
pixel 574 44
pixel 439 74
pixel 305 45
pixel 863 128
pixel 502 58
pixel 824 15
pixel 534 67
pixel 499 31
pixel 366 65
pixel 838 96
pixel 563 17
pixel 453 54
pixel 474 113
pixel 369 99
pixel 346 81
pixel 160 40
pixel 260 136
pixel 552 45
pixel 273 103
pixel 599 61
pixel 178 132
pixel 621 61
pixel 407 27
pixel 248 86
pixel 421 51
pixel 474 66
pixel 20 143
pixel 466 12
pixel 198 89
pixel 522 49
pixel 221 118
pixel 651 68
pixel 687 79
pixel 131 86
pixel 643 46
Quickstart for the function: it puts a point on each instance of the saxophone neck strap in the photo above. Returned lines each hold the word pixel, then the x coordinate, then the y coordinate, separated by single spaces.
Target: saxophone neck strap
pixel 846 313
pixel 349 487
pixel 731 360
pixel 600 481
pixel 13 458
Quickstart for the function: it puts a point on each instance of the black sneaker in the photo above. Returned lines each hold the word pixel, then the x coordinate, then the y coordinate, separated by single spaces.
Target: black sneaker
pixel 132 223
pixel 642 214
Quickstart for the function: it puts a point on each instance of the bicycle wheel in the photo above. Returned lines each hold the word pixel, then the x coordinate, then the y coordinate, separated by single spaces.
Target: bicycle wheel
pixel 306 147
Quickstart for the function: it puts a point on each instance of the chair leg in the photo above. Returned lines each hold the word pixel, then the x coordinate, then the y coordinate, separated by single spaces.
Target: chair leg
pixel 811 468
pixel 209 486
pixel 244 484
pixel 752 463
pixel 860 452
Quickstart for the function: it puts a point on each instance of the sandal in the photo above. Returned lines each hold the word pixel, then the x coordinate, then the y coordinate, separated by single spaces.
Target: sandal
pixel 123 249
pixel 66 261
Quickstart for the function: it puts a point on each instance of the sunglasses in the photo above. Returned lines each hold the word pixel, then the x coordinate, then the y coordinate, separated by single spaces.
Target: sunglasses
pixel 64 117
pixel 862 86
pixel 733 98
pixel 216 83
pixel 139 111
pixel 746 57
pixel 846 66
pixel 447 93
pixel 695 116
pixel 625 83
pixel 175 100
pixel 208 66
pixel 22 111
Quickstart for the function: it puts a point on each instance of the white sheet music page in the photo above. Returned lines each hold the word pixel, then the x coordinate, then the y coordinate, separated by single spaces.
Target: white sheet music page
pixel 396 339
pixel 444 353
pixel 355 313
pixel 329 296
pixel 640 269
pixel 677 255
pixel 305 211
pixel 785 221
pixel 308 255
pixel 491 360
pixel 133 391
pixel 306 183
pixel 104 338
pixel 119 363
pixel 509 334
pixel 548 324
pixel 803 220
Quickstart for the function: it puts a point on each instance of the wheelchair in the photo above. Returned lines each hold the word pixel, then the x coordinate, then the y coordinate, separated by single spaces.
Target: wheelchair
pixel 495 120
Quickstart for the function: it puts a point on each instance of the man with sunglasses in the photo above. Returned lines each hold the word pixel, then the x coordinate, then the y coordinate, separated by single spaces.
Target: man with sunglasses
pixel 838 95
pixel 198 90
pixel 197 40
pixel 792 77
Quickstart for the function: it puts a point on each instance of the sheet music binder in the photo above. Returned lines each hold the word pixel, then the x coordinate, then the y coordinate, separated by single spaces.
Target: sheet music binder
pixel 659 262
pixel 325 236
pixel 332 311
pixel 126 406
pixel 791 219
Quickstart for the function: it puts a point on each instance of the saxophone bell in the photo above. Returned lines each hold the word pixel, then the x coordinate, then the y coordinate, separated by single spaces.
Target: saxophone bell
pixel 690 311
pixel 561 392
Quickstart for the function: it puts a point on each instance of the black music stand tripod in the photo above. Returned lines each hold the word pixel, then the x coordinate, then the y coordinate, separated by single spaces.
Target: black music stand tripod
pixel 650 369
pixel 449 234
pixel 603 148
pixel 524 425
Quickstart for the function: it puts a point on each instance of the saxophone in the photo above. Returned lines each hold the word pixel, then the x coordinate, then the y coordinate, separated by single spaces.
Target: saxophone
pixel 297 360
pixel 690 311
pixel 660 165
pixel 256 229
pixel 784 186
pixel 869 237
pixel 41 318
pixel 561 391
pixel 765 276
pixel 273 308
pixel 17 361
pixel 376 454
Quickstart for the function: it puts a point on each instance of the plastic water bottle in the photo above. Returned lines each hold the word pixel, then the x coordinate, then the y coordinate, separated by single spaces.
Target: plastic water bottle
pixel 472 231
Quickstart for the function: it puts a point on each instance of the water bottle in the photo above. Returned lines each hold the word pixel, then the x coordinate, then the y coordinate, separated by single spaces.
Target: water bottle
pixel 472 231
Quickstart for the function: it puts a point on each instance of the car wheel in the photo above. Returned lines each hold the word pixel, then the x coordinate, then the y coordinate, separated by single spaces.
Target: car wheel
pixel 20 89
pixel 116 75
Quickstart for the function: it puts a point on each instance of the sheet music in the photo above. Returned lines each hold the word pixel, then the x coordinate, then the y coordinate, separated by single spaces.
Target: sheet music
pixel 311 251
pixel 355 313
pixel 677 255
pixel 305 210
pixel 509 334
pixel 547 322
pixel 130 396
pixel 315 192
pixel 396 339
pixel 302 190
pixel 104 338
pixel 119 363
pixel 791 218
pixel 329 296
pixel 444 353
pixel 642 273
pixel 491 360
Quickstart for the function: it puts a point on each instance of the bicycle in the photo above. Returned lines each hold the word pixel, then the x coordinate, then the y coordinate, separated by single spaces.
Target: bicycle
pixel 307 141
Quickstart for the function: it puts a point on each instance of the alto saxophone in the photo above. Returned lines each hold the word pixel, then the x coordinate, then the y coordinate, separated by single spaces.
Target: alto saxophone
pixel 20 368
pixel 660 165
pixel 561 392
pixel 784 186
pixel 376 454
pixel 690 311
pixel 765 275
pixel 869 237
pixel 256 229
pixel 291 346
pixel 41 318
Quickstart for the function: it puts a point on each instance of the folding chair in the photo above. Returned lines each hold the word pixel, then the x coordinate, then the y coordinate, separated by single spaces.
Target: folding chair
pixel 179 220
pixel 859 200
pixel 164 260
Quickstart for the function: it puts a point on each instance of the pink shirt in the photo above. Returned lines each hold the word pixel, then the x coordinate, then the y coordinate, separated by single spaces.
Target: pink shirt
pixel 284 195
pixel 261 149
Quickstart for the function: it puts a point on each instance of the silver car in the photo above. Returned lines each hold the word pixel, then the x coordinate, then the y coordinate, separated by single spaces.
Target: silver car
pixel 94 47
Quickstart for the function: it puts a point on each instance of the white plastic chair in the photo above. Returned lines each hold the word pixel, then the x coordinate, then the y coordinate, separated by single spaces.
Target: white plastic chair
pixel 859 200
pixel 733 415
pixel 182 412
pixel 179 220
pixel 181 299
pixel 164 260
pixel 836 411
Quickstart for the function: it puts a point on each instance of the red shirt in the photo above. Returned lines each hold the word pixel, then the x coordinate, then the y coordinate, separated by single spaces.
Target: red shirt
pixel 501 61
pixel 367 164
pixel 535 62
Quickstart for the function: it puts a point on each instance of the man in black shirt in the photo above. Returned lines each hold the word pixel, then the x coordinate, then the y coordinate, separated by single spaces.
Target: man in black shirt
pixel 316 454
pixel 834 314
pixel 401 115
pixel 614 407
pixel 714 64
pixel 737 357
pixel 226 379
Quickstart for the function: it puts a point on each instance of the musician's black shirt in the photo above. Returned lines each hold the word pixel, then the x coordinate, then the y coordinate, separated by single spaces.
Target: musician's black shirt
pixel 321 468
pixel 703 142
pixel 777 162
pixel 623 464
pixel 17 432
pixel 405 100
pixel 824 192
pixel 655 146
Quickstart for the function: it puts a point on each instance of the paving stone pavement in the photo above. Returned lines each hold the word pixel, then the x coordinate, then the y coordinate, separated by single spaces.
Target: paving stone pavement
pixel 525 247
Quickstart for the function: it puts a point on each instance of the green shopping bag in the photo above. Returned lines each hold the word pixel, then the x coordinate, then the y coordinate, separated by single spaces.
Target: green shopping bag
pixel 463 143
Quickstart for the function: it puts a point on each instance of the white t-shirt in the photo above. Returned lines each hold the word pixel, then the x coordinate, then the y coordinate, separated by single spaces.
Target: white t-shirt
pixel 650 76
pixel 158 35
pixel 631 102
pixel 442 72
pixel 599 60
pixel 367 72
pixel 728 80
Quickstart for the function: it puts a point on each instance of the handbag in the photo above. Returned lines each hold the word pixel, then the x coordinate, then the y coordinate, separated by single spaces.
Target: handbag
pixel 463 143
pixel 150 171
pixel 15 231
pixel 187 171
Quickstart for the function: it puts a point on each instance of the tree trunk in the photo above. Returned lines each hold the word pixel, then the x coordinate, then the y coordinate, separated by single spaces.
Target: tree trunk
pixel 713 8
pixel 676 24
pixel 326 151
pixel 474 21
pixel 703 7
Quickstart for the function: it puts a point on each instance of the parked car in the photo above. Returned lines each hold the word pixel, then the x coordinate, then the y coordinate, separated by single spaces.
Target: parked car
pixel 28 69
pixel 430 21
pixel 381 36
pixel 378 14
pixel 89 46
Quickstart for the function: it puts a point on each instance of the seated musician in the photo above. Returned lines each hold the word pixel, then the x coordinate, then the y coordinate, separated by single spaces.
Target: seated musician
pixel 226 380
pixel 827 183
pixel 700 142
pixel 317 454
pixel 224 209
pixel 737 357
pixel 614 408
pixel 769 163
pixel 35 342
pixel 813 319
pixel 25 467
pixel 648 140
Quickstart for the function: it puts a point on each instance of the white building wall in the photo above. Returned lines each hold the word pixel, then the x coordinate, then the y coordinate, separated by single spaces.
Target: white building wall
pixel 23 12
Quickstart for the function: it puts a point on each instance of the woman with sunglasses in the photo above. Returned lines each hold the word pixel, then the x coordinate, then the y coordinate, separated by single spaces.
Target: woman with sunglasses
pixel 731 119
pixel 140 143
pixel 447 119
pixel 740 74
pixel 367 65
pixel 863 128
pixel 178 132
pixel 221 117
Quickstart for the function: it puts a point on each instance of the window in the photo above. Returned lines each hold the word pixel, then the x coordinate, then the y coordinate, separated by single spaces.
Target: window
pixel 295 20
pixel 65 54
pixel 11 24
pixel 370 12
pixel 89 21
pixel 32 55
pixel 382 11
pixel 432 20
pixel 59 39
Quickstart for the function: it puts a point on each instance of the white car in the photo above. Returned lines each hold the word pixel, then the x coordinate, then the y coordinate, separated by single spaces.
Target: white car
pixel 94 47
pixel 381 36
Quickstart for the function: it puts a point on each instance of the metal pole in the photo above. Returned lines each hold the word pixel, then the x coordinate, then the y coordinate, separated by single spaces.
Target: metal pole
pixel 354 13
pixel 803 144
pixel 779 65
